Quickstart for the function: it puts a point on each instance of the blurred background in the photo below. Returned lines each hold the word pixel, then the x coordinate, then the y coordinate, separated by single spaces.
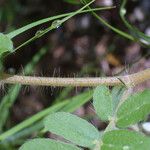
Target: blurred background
pixel 82 47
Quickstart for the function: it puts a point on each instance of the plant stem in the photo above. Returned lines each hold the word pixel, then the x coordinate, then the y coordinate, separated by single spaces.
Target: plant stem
pixel 111 126
pixel 122 33
pixel 128 80
pixel 17 32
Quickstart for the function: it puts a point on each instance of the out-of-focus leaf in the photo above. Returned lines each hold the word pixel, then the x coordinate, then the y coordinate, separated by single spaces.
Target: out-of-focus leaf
pixel 134 109
pixel 6 45
pixel 72 128
pixel 47 144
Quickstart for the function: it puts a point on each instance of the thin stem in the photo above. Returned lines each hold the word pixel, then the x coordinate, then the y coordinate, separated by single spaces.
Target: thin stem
pixel 55 24
pixel 110 126
pixel 42 21
pixel 123 34
pixel 129 80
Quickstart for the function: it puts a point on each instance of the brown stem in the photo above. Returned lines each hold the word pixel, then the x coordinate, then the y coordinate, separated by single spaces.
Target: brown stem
pixel 128 80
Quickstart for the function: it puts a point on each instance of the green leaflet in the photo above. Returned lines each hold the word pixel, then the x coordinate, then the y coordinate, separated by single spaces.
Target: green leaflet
pixel 47 144
pixel 125 140
pixel 6 45
pixel 134 109
pixel 72 128
pixel 102 101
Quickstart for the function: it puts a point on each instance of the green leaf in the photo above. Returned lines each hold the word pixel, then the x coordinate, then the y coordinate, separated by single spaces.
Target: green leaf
pixel 72 128
pixel 125 140
pixel 134 109
pixel 47 144
pixel 6 45
pixel 102 101
pixel 117 93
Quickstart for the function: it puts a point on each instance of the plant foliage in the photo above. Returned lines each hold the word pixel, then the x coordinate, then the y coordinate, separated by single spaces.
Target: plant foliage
pixel 81 133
